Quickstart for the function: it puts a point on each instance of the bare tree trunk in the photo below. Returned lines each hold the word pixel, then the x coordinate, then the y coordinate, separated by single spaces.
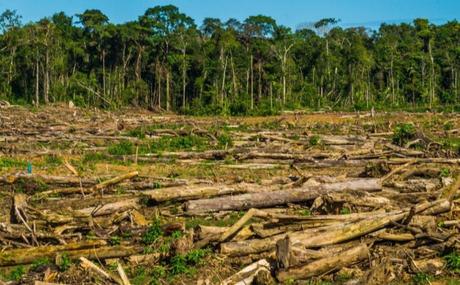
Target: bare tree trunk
pixel 138 63
pixel 159 85
pixel 205 76
pixel 392 82
pixel 167 91
pixel 37 82
pixel 222 93
pixel 184 75
pixel 47 77
pixel 284 88
pixel 271 95
pixel 47 68
pixel 247 81
pixel 235 87
pixel 259 95
pixel 252 81
pixel 432 80
pixel 103 73
pixel 10 70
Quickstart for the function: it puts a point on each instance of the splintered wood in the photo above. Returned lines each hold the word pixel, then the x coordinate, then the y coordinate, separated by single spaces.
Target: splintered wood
pixel 245 201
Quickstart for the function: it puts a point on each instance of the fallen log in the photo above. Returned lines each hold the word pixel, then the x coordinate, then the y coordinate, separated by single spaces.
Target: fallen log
pixel 28 255
pixel 328 235
pixel 288 256
pixel 342 233
pixel 275 198
pixel 247 274
pixel 192 192
pixel 105 252
pixel 110 208
pixel 55 181
pixel 324 265
pixel 86 264
pixel 115 180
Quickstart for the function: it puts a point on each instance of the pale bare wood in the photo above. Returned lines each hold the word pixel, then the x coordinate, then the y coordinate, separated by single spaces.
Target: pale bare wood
pixel 70 168
pixel 237 226
pixel 123 276
pixel 29 255
pixel 110 208
pixel 274 198
pixel 247 274
pixel 115 180
pixel 324 265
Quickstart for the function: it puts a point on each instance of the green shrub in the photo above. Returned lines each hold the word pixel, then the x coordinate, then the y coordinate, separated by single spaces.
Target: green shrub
pixel 53 160
pixel 225 140
pixel 153 233
pixel 314 140
pixel 115 240
pixel 136 133
pixel 64 262
pixel 182 143
pixel 453 261
pixel 179 265
pixel 305 213
pixel 196 256
pixel 17 273
pixel 449 125
pixel 121 148
pixel 6 162
pixel 421 279
pixel 345 211
pixel 403 133
pixel 445 172
pixel 40 263
pixel 94 157
pixel 184 263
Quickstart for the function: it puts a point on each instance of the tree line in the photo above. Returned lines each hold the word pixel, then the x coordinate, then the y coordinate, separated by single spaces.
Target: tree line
pixel 165 61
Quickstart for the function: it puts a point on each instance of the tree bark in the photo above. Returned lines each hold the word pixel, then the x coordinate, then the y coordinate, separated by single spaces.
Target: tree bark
pixel 168 98
pixel 275 198
pixel 327 264
pixel 28 255
pixel 184 193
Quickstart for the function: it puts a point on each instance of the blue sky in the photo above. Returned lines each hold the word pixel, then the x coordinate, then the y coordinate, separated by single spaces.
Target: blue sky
pixel 369 13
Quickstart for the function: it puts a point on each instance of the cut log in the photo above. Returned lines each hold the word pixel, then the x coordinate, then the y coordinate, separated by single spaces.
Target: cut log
pixel 237 226
pixel 288 255
pixel 328 235
pixel 325 265
pixel 110 208
pixel 275 198
pixel 85 263
pixel 56 181
pixel 342 233
pixel 146 258
pixel 247 274
pixel 28 255
pixel 42 283
pixel 192 192
pixel 105 252
pixel 115 180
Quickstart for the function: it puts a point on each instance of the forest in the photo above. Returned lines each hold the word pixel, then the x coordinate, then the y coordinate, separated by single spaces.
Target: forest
pixel 164 60
pixel 166 151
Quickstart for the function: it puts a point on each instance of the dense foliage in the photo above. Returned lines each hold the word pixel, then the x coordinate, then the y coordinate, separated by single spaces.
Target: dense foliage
pixel 164 61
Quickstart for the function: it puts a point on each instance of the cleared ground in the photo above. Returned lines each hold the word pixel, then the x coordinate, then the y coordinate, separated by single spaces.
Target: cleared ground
pixel 379 191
